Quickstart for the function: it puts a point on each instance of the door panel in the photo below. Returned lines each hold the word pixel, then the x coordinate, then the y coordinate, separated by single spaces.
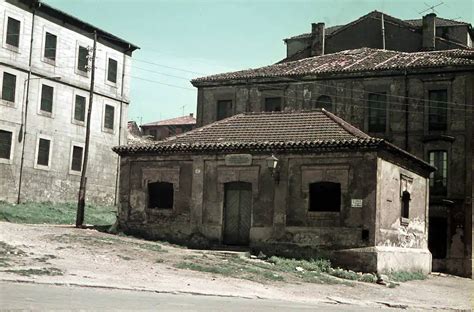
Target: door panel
pixel 237 213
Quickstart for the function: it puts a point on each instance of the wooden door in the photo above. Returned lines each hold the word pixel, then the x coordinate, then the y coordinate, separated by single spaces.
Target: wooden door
pixel 237 213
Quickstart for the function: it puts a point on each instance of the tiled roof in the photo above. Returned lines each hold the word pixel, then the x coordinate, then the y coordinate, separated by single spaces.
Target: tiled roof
pixel 358 60
pixel 268 131
pixel 440 22
pixel 184 120
pixel 329 31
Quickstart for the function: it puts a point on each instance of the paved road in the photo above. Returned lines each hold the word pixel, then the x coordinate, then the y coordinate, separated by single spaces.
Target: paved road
pixel 50 297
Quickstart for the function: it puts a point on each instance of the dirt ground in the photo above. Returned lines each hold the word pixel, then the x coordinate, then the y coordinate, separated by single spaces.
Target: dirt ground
pixel 65 255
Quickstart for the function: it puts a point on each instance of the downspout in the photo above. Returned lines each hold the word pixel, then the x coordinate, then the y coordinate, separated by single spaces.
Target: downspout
pixel 383 33
pixel 120 124
pixel 22 134
pixel 406 109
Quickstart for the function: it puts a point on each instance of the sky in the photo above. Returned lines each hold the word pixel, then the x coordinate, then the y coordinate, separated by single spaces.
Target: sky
pixel 185 39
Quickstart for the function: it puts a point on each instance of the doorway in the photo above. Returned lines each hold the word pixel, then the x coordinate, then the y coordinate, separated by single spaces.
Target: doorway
pixel 237 213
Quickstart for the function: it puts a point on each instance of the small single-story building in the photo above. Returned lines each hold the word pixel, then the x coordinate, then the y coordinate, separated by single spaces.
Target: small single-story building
pixel 163 129
pixel 283 182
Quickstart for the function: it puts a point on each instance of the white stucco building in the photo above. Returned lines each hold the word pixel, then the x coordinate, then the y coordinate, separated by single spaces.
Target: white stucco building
pixel 44 97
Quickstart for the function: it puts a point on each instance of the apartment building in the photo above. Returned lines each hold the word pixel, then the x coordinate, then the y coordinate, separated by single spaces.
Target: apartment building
pixel 45 78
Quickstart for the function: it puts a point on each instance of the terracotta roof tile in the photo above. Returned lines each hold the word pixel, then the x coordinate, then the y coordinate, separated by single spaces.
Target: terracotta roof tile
pixel 184 120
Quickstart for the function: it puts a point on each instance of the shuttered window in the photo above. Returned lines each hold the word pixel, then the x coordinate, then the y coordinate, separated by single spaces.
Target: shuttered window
pixel 112 71
pixel 5 144
pixel 109 117
pixel 50 42
pixel 80 108
pixel 377 103
pixel 47 98
pixel 8 87
pixel 273 104
pixel 82 61
pixel 43 152
pixel 76 162
pixel 13 32
pixel 438 109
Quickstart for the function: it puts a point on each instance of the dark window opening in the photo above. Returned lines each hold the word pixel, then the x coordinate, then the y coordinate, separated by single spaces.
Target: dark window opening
pixel 439 178
pixel 109 117
pixel 325 196
pixel 273 104
pixel 325 102
pixel 82 59
pixel 377 103
pixel 13 32
pixel 224 109
pixel 437 237
pixel 5 144
pixel 50 46
pixel 76 163
pixel 47 98
pixel 43 152
pixel 438 109
pixel 112 71
pixel 160 195
pixel 365 235
pixel 406 204
pixel 8 87
pixel 80 108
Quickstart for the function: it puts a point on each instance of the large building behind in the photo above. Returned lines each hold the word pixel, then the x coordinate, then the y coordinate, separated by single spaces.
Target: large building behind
pixel 44 83
pixel 421 102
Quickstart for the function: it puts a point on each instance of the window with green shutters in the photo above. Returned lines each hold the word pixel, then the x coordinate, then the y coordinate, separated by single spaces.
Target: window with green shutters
pixel 8 87
pixel 47 99
pixel 109 117
pixel 76 162
pixel 112 71
pixel 50 43
pixel 5 144
pixel 13 32
pixel 377 103
pixel 43 152
pixel 80 108
pixel 82 60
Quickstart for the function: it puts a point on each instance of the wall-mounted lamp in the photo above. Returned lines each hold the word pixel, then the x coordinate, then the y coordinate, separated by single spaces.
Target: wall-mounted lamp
pixel 273 166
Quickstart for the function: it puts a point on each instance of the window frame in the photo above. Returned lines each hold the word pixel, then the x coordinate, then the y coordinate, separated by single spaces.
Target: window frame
pixel 71 154
pixel 431 127
pixel 13 131
pixel 220 101
pixel 104 128
pixel 73 111
pixel 272 97
pixel 5 30
pixel 318 100
pixel 40 93
pixel 163 209
pixel 107 81
pixel 310 197
pixel 51 143
pixel 432 175
pixel 4 101
pixel 45 59
pixel 432 85
pixel 385 111
pixel 80 44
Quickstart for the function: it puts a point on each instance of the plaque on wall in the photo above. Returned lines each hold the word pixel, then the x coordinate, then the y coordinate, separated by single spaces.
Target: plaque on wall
pixel 238 160
pixel 356 203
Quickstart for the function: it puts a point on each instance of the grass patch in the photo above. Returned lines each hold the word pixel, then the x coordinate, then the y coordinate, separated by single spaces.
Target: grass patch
pixel 36 272
pixel 406 276
pixel 9 253
pixel 49 213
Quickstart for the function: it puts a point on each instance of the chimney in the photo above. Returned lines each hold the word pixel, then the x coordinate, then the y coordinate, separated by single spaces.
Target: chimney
pixel 317 39
pixel 429 32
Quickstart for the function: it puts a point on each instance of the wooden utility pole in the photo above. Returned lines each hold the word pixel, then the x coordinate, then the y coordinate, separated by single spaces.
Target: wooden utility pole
pixel 81 202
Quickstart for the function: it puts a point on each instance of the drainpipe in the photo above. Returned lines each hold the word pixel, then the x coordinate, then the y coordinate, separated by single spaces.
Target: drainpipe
pixel 120 124
pixel 383 33
pixel 22 134
pixel 406 109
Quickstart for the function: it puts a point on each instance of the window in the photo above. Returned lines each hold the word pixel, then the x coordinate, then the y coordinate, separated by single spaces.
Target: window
pixel 438 109
pixel 79 108
pixel 377 103
pixel 406 204
pixel 153 133
pixel 43 152
pixel 50 42
pixel 112 71
pixel 438 237
pixel 82 59
pixel 13 32
pixel 325 196
pixel 76 161
pixel 325 102
pixel 160 195
pixel 9 87
pixel 273 104
pixel 438 179
pixel 224 109
pixel 47 99
pixel 5 144
pixel 109 115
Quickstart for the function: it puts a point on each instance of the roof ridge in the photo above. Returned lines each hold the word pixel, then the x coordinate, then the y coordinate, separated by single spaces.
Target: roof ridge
pixel 347 126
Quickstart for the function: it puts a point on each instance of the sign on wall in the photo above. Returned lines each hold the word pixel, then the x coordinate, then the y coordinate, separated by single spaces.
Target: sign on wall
pixel 238 160
pixel 356 203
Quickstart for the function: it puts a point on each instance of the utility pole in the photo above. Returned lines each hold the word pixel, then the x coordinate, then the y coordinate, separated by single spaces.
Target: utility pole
pixel 81 202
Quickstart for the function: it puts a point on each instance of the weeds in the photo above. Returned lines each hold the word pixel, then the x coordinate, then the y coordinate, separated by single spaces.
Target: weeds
pixel 403 276
pixel 37 272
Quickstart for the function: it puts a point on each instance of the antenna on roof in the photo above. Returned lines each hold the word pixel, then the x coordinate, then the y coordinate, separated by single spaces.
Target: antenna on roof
pixel 431 7
pixel 182 107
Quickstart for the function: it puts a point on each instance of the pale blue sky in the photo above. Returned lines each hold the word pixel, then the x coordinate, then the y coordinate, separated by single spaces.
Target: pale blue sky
pixel 208 36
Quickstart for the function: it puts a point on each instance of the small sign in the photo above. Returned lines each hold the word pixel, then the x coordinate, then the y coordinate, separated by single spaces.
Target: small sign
pixel 356 203
pixel 238 160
